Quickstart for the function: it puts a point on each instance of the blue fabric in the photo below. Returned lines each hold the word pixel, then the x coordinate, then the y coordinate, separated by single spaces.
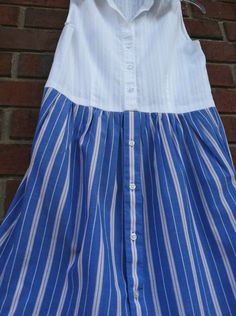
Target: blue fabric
pixel 68 243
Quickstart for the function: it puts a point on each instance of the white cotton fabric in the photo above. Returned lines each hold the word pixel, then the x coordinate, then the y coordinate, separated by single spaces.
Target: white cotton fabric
pixel 122 55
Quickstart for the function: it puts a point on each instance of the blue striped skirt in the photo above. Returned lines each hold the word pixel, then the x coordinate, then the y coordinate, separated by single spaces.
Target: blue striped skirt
pixel 122 213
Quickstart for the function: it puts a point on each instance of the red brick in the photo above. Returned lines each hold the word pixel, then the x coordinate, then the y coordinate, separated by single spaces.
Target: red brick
pixel 225 100
pixel 1 120
pixel 203 28
pixel 34 65
pixel 11 188
pixel 45 18
pixel 39 3
pixel 230 29
pixel 23 123
pixel 9 15
pixel 21 93
pixel 229 122
pixel 29 39
pixel 233 153
pixel 217 9
pixel 219 51
pixel 5 64
pixel 14 158
pixel 220 75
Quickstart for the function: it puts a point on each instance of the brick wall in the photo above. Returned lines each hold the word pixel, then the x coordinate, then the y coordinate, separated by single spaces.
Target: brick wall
pixel 29 33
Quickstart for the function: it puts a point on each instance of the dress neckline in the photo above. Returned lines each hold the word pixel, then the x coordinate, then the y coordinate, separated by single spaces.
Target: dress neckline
pixel 129 10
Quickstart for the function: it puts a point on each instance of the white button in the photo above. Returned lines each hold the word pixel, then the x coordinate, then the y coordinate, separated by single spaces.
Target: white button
pixel 136 294
pixel 130 66
pixel 133 236
pixel 130 89
pixel 132 186
pixel 131 142
pixel 127 37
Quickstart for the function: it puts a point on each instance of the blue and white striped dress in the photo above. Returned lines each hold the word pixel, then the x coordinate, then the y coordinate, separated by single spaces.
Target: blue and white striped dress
pixel 122 212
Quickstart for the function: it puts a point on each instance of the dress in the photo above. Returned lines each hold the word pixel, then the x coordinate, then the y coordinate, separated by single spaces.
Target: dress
pixel 128 206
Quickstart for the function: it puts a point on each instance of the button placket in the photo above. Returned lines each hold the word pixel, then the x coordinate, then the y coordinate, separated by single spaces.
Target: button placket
pixel 133 232
pixel 133 210
pixel 133 204
pixel 130 85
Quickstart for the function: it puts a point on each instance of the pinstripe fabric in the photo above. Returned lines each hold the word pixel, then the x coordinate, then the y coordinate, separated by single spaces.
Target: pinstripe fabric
pixel 122 213
pixel 130 55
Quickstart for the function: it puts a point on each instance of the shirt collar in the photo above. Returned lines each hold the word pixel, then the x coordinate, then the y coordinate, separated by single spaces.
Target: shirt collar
pixel 147 4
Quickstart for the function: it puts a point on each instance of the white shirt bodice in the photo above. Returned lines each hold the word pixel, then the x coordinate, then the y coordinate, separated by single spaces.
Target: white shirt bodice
pixel 130 55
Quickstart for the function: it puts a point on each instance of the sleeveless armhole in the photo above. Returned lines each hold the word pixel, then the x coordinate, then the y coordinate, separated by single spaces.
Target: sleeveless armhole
pixel 71 17
pixel 183 26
